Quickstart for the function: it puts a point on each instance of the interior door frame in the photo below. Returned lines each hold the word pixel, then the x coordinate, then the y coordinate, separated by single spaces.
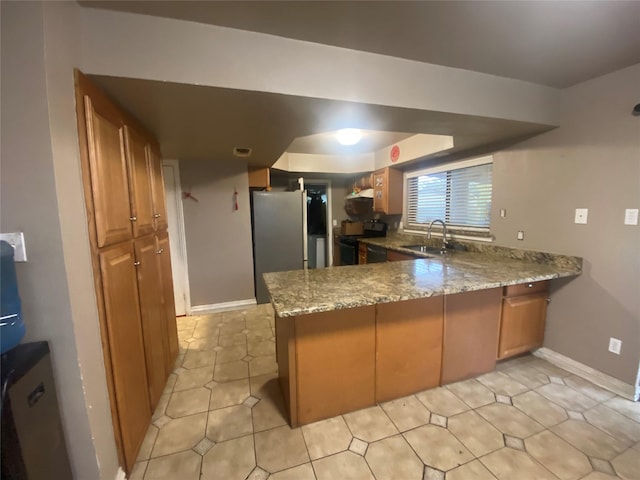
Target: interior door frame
pixel 179 244
pixel 329 237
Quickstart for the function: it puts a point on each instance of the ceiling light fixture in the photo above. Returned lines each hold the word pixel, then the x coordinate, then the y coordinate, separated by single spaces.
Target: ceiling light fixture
pixel 349 136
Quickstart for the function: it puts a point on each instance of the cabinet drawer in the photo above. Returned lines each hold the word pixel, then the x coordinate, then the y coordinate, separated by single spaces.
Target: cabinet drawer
pixel 526 288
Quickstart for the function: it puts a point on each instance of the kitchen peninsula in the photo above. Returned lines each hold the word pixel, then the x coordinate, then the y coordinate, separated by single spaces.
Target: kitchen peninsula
pixel 350 337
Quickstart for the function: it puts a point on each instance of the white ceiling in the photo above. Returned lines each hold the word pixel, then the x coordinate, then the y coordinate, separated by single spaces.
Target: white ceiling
pixel 555 43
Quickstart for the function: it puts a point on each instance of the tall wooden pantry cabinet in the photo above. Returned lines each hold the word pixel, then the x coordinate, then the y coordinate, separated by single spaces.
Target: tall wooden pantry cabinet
pixel 126 211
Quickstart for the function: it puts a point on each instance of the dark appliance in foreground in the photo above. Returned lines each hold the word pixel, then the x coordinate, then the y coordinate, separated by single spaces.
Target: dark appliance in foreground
pixel 349 243
pixel 33 446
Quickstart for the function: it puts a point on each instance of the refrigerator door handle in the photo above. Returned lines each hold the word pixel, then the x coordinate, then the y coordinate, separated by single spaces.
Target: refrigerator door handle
pixel 305 246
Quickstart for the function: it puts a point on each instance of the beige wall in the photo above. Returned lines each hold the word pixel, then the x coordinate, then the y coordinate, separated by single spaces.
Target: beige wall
pixel 219 252
pixel 592 161
pixel 41 195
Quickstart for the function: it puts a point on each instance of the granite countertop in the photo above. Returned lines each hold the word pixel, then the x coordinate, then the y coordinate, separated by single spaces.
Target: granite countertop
pixel 321 290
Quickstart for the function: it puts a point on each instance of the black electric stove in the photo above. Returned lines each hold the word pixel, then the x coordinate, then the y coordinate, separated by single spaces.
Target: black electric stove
pixel 349 243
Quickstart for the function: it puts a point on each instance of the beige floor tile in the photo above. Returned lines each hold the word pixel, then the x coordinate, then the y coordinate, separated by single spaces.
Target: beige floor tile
pixel 171 381
pixel 260 335
pixel 228 372
pixel 206 331
pixel 527 375
pixel 614 423
pixel 326 437
pixel 539 408
pixel 229 393
pixel 406 413
pixel 566 397
pixel 258 323
pixel 268 413
pixel 627 465
pixel 547 367
pixel 183 465
pixel 263 366
pixel 599 476
pixel 510 464
pixel 180 434
pixel 138 471
pixel 478 435
pixel 147 443
pixel 625 407
pixel 232 327
pixel 437 447
pixel 233 316
pixel 194 378
pixel 562 459
pixel 230 422
pixel 473 393
pixel 199 359
pixel 470 471
pixel 265 385
pixel 280 448
pixel 207 343
pixel 343 466
pixel 188 402
pixel 502 384
pixel 161 408
pixel 405 464
pixel 230 460
pixel 589 439
pixel 370 424
pixel 262 349
pixel 442 402
pixel 301 472
pixel 231 354
pixel 510 420
pixel 587 388
pixel 233 339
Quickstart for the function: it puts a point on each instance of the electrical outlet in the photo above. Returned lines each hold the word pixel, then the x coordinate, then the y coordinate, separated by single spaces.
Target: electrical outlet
pixel 615 345
pixel 631 216
pixel 520 235
pixel 581 216
pixel 503 212
pixel 335 222
pixel 16 240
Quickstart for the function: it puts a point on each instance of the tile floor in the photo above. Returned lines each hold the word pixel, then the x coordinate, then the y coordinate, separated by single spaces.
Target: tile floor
pixel 221 417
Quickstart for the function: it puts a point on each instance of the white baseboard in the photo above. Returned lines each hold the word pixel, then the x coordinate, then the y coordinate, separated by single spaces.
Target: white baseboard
pixel 594 376
pixel 221 307
pixel 120 475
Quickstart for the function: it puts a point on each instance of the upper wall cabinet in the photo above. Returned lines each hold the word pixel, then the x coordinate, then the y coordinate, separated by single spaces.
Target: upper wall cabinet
pixel 140 180
pixel 387 191
pixel 108 170
pixel 157 187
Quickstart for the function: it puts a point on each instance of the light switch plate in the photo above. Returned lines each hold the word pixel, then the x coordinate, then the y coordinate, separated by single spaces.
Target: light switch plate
pixel 503 212
pixel 631 216
pixel 581 215
pixel 520 235
pixel 16 240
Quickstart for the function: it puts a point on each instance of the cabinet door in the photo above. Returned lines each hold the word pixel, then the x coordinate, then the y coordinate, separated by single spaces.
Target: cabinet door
pixel 522 324
pixel 471 324
pixel 157 188
pixel 393 256
pixel 122 314
pixel 380 191
pixel 168 301
pixel 362 253
pixel 139 183
pixel 108 172
pixel 408 347
pixel 153 327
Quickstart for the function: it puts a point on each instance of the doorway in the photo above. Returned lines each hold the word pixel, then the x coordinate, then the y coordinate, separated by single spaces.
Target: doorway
pixel 319 251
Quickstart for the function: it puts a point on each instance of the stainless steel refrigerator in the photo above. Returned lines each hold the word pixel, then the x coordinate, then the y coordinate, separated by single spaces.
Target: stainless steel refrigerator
pixel 279 224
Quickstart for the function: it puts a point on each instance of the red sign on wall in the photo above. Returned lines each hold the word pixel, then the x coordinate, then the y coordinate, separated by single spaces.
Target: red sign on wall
pixel 395 153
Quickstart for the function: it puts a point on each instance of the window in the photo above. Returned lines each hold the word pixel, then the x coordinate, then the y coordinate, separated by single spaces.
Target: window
pixel 459 194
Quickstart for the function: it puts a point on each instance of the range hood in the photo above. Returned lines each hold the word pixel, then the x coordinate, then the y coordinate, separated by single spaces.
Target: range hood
pixel 366 193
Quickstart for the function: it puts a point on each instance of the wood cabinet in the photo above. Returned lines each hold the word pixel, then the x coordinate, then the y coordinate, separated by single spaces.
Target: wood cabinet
pixel 126 213
pixel 361 182
pixel 524 312
pixel 362 253
pixel 387 191
pixel 259 177
pixel 393 256
pixel 408 347
pixel 470 337
pixel 336 250
pixel 125 346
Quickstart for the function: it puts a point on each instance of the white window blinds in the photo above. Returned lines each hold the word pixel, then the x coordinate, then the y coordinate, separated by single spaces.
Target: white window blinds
pixel 459 194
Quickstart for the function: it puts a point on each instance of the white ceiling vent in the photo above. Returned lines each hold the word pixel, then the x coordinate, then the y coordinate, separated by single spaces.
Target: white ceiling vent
pixel 241 151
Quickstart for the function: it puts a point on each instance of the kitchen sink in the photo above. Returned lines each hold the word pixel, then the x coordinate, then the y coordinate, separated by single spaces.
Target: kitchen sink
pixel 424 249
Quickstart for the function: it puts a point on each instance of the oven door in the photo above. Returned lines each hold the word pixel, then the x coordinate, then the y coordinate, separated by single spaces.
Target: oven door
pixel 348 252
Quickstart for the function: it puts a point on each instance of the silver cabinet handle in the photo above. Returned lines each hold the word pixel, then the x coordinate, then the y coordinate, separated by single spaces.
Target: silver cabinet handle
pixel 133 219
pixel 157 215
pixel 530 285
pixel 135 264
pixel 160 251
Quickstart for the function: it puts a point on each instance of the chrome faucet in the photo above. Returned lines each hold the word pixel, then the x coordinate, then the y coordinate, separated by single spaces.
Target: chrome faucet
pixel 443 250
